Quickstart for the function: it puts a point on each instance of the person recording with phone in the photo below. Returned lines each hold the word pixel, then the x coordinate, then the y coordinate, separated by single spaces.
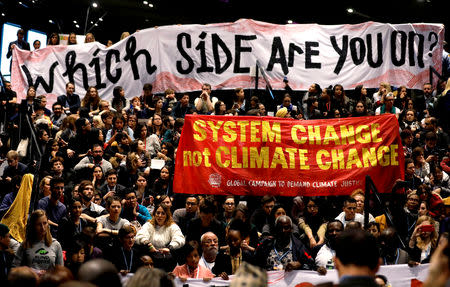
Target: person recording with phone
pixel 423 241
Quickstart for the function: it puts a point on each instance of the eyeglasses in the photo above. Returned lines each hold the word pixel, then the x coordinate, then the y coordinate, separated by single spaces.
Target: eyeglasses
pixel 229 203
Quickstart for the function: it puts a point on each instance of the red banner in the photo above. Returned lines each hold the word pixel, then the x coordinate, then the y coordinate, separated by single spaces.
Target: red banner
pixel 269 155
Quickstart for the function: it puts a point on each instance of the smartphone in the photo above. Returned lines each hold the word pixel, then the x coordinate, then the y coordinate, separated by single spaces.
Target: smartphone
pixel 285 79
pixel 427 228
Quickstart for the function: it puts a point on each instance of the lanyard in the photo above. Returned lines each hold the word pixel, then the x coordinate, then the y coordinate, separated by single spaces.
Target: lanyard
pixel 396 259
pixel 207 265
pixel 6 264
pixel 125 259
pixel 284 254
pixel 79 227
pixel 189 273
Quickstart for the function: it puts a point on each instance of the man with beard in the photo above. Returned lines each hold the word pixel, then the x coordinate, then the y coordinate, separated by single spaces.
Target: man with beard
pixel 284 251
pixel 89 162
pixel 390 251
pixel 210 247
pixel 111 187
pixel 54 209
pixel 324 257
pixel 90 210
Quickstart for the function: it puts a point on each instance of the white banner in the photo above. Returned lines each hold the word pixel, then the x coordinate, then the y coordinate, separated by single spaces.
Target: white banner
pixel 398 276
pixel 183 57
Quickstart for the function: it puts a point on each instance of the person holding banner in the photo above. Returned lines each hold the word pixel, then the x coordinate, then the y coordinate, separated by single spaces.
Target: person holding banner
pixel 72 39
pixel 285 251
pixel 228 262
pixel 19 43
pixel 191 269
pixel 326 252
pixel 53 39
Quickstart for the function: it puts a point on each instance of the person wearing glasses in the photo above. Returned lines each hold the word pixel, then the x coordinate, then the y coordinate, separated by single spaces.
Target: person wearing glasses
pixel 182 216
pixel 132 210
pixel 228 207
pixel 388 106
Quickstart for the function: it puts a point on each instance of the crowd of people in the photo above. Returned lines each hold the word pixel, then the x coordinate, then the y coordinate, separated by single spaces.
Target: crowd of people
pixel 100 194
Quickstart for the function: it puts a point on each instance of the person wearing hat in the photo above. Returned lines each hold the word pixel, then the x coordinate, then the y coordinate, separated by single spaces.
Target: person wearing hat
pixel 282 113
pixel 6 254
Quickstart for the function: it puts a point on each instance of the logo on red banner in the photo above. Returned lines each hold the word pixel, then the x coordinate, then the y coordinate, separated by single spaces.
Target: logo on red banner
pixel 269 155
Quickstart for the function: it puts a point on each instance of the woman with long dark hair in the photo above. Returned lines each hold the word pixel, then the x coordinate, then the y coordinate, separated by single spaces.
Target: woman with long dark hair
pixel 163 184
pixel 361 96
pixel 91 100
pixel 119 101
pixel 53 39
pixel 360 110
pixel 313 223
pixel 341 101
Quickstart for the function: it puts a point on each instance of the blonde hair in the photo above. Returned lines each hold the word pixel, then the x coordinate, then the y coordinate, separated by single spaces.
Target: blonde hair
pixel 124 35
pixel 422 244
pixel 447 87
pixel 356 192
pixel 89 34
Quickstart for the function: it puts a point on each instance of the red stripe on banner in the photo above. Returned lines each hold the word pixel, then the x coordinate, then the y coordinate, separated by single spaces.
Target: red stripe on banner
pixel 268 155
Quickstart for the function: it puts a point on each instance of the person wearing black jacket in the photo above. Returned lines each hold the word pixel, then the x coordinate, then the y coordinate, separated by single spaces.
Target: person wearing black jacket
pixel 70 101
